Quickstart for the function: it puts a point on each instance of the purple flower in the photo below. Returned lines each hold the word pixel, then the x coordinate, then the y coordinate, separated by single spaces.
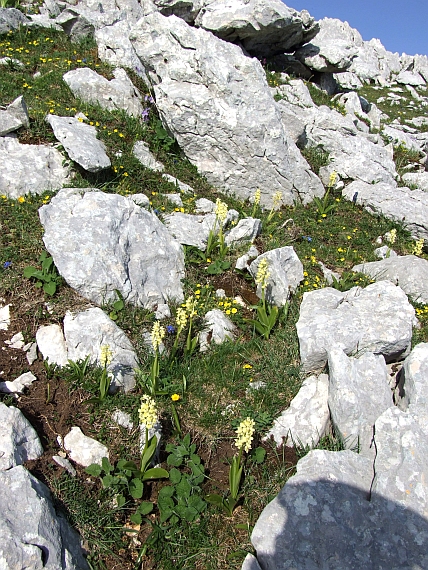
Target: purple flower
pixel 149 98
pixel 170 329
pixel 7 264
pixel 145 114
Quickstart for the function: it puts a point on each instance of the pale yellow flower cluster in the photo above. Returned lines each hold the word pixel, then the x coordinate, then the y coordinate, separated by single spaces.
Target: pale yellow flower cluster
pixel 245 434
pixel 332 180
pixel 418 247
pixel 220 210
pixel 106 355
pixel 392 236
pixel 158 334
pixel 277 197
pixel 257 196
pixel 181 318
pixel 263 274
pixel 190 306
pixel 148 412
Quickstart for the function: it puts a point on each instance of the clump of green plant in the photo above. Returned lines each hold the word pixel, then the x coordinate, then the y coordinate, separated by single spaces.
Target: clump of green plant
pixel 350 279
pixel 267 314
pixel 245 433
pixel 117 306
pixel 126 479
pixel 46 277
pixel 404 156
pixel 324 205
pixel 316 157
pixel 321 97
pixel 182 500
pixel 216 241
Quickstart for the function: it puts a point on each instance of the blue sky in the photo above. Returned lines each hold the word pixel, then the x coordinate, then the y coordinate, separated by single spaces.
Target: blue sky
pixel 400 26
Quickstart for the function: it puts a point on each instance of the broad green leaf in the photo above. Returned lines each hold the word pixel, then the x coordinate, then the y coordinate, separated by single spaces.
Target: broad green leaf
pixel 50 288
pixel 107 481
pixel 136 518
pixel 155 473
pixel 29 271
pixel 174 476
pixel 94 469
pixel 259 454
pixel 145 508
pixel 183 488
pixel 136 488
pixel 214 499
pixel 106 465
pixel 165 514
pixel 120 499
pixel 197 503
pixel 166 491
pixel 190 514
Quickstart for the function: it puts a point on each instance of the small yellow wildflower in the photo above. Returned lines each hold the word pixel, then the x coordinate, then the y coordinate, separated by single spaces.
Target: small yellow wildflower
pixel 220 210
pixel 417 248
pixel 21 199
pixel 175 397
pixel 181 318
pixel 158 334
pixel 190 306
pixel 148 413
pixel 234 310
pixel 106 355
pixel 276 198
pixel 392 236
pixel 263 274
pixel 332 180
pixel 246 366
pixel 257 197
pixel 245 434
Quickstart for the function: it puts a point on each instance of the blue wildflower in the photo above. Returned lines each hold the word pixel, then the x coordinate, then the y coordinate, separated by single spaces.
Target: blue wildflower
pixel 170 329
pixel 7 264
pixel 145 114
pixel 307 238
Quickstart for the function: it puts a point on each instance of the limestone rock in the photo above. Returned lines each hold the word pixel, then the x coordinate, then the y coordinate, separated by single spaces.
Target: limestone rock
pixel 51 343
pixel 408 272
pixel 44 540
pixel 419 179
pixel 80 142
pixel 17 385
pixel 250 563
pixel 82 449
pixel 245 230
pixel 77 27
pixel 332 49
pixel 285 273
pixel 14 117
pixel 262 28
pixel 358 394
pixel 185 188
pixel 376 319
pixel 19 441
pixel 124 247
pixel 11 19
pixel 306 420
pixel 118 93
pixel 415 385
pixel 217 329
pixel 30 168
pixel 410 78
pixel 190 229
pixel 397 204
pixel 216 102
pixel 87 331
pixel 4 317
pixel 142 153
pixel 323 514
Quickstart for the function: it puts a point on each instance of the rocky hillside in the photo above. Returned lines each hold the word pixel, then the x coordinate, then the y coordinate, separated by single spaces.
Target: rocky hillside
pixel 213 299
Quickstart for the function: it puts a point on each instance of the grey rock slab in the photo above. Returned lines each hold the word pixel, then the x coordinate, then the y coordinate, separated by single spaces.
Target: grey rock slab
pixel 11 19
pixel 33 534
pixel 123 419
pixel 31 353
pixel 190 229
pixel 14 117
pixel 51 343
pixel 250 563
pixel 332 49
pixel 263 28
pixel 142 153
pixel 185 188
pixel 419 179
pixel 19 441
pixel 408 272
pixel 174 199
pixel 410 78
pixel 102 242
pixel 30 168
pixel 217 104
pixel 376 319
pixel 88 331
pixel 80 142
pixel 359 393
pixel 383 252
pixel 217 328
pixel 285 273
pixel 118 93
pixel 322 518
pixel 296 93
pixel 18 385
pixel 65 464
pixel 398 137
pixel 415 382
pixel 409 207
pixel 82 449
pixel 401 464
pixel 307 418
pixel 245 230
pixel 243 261
pixel 17 341
pixel 4 317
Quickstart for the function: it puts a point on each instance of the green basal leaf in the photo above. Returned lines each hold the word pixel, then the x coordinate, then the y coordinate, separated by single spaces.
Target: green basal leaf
pixel 29 271
pixel 214 500
pixel 120 499
pixel 106 465
pixel 50 288
pixel 155 473
pixel 166 491
pixel 94 469
pixel 259 454
pixel 107 481
pixel 174 476
pixel 136 518
pixel 136 488
pixel 145 508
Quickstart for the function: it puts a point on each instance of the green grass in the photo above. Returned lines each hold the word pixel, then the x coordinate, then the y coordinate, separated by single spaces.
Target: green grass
pixel 215 395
